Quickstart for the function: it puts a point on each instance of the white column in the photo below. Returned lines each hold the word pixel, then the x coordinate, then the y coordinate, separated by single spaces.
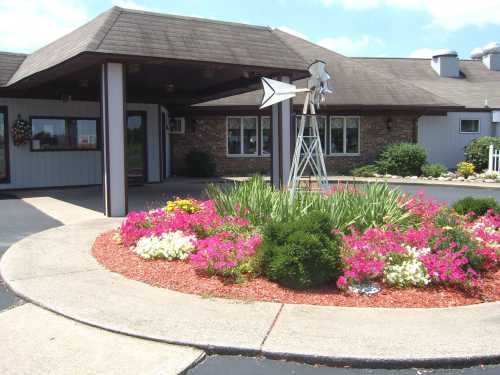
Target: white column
pixel 114 138
pixel 281 152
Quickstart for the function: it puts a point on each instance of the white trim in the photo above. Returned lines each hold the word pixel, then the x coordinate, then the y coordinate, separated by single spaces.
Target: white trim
pixel 469 119
pixel 183 126
pixel 256 118
pixel 326 129
pixel 261 140
pixel 344 134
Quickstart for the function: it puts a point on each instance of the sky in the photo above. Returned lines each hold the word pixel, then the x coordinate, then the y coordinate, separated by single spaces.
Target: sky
pixel 375 28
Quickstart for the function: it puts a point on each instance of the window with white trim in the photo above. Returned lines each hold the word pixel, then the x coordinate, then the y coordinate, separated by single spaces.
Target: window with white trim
pixel 344 135
pixel 177 125
pixel 307 128
pixel 266 140
pixel 469 126
pixel 241 135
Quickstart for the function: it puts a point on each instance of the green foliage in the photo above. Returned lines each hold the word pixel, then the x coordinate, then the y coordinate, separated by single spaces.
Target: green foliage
pixel 465 168
pixel 403 159
pixel 259 202
pixel 199 164
pixel 477 205
pixel 368 170
pixel 476 152
pixel 433 170
pixel 301 253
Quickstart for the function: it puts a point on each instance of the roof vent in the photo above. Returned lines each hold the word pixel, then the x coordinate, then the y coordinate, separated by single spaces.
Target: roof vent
pixel 491 56
pixel 445 63
pixel 477 54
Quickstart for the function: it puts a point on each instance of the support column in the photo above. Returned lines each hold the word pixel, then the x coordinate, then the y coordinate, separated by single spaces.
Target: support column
pixel 114 124
pixel 282 150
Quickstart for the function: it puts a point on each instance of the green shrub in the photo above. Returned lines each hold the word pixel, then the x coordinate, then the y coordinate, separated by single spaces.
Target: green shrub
pixel 302 253
pixel 404 159
pixel 199 164
pixel 433 170
pixel 368 170
pixel 476 152
pixel 477 205
pixel 465 168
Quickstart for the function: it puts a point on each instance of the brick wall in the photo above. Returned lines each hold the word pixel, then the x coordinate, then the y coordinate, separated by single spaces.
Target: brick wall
pixel 208 134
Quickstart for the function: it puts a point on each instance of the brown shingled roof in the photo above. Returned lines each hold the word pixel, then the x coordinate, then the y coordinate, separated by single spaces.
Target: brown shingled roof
pixel 9 63
pixel 129 32
pixel 476 83
pixel 354 83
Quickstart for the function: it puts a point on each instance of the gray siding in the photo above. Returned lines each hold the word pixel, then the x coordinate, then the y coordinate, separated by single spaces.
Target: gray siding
pixel 441 137
pixel 66 168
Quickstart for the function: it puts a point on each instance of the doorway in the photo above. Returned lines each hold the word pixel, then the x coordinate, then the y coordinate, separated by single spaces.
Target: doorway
pixel 165 144
pixel 136 148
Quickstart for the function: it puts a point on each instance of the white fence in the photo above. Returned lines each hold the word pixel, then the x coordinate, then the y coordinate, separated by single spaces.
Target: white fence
pixel 494 160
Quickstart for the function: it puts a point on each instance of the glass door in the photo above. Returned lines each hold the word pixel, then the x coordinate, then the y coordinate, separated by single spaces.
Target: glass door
pixel 4 146
pixel 136 148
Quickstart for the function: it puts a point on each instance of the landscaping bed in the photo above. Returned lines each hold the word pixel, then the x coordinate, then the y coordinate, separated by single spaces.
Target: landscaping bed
pixel 252 242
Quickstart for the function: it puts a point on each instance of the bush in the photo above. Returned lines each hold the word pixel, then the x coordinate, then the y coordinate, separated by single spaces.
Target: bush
pixel 476 152
pixel 368 170
pixel 302 253
pixel 479 206
pixel 199 164
pixel 465 168
pixel 404 159
pixel 433 170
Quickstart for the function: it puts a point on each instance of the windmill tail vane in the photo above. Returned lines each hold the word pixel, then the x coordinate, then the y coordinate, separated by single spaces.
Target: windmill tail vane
pixel 308 150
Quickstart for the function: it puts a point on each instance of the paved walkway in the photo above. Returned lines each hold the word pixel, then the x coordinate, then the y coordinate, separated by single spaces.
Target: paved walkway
pixel 55 270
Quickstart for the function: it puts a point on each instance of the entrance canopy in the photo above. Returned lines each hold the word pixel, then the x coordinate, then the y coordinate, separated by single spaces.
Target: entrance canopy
pixel 171 60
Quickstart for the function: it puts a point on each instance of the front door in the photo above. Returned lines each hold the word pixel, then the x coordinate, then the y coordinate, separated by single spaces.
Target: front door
pixel 136 148
pixel 4 146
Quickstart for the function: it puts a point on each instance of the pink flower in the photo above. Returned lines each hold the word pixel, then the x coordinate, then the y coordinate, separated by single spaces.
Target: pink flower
pixel 342 283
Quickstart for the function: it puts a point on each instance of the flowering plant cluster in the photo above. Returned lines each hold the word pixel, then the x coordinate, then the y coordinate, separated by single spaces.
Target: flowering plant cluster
pixel 194 231
pixel 170 246
pixel 21 132
pixel 441 247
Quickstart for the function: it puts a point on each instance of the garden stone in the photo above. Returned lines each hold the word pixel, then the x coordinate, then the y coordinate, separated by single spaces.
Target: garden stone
pixel 441 178
pixel 489 180
pixel 414 177
pixel 460 179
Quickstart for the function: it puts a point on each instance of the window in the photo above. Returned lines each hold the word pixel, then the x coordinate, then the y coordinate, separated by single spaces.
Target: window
pixel 266 141
pixel 177 125
pixel 242 135
pixel 63 134
pixel 469 126
pixel 344 135
pixel 4 145
pixel 307 129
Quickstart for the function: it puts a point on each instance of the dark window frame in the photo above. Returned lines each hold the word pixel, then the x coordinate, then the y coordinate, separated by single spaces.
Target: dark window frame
pixel 6 179
pixel 66 119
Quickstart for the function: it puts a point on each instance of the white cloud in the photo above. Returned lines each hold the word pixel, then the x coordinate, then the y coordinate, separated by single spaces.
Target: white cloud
pixel 447 14
pixel 294 32
pixel 30 24
pixel 423 53
pixel 130 4
pixel 351 46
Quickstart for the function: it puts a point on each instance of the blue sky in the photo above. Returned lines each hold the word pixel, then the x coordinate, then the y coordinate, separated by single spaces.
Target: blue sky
pixel 387 28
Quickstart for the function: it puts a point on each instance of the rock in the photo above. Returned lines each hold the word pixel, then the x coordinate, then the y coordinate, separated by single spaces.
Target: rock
pixel 488 180
pixel 471 178
pixel 414 177
pixel 441 178
pixel 460 178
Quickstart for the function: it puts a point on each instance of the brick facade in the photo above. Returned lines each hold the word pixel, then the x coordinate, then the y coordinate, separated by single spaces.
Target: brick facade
pixel 208 134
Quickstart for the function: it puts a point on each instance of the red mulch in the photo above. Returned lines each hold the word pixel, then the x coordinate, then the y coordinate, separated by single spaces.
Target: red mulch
pixel 182 277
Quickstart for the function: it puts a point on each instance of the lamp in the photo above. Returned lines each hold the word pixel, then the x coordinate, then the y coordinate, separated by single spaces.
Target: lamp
pixel 388 124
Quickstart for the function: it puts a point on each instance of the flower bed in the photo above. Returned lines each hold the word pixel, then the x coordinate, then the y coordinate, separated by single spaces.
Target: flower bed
pixel 253 242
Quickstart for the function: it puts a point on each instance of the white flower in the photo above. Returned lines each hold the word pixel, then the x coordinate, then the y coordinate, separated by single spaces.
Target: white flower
pixel 170 246
pixel 410 272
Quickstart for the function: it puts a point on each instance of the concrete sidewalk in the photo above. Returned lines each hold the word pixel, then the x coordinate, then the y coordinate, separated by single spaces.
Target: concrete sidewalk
pixel 36 341
pixel 55 270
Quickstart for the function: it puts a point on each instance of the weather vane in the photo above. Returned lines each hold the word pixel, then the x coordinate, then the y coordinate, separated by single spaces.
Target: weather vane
pixel 308 150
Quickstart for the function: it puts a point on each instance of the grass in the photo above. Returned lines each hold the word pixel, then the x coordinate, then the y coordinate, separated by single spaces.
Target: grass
pixel 367 206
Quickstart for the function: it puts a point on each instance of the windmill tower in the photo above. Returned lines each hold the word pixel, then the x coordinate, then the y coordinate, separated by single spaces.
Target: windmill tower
pixel 308 151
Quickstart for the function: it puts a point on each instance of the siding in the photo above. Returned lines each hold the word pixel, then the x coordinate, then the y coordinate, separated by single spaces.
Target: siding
pixel 441 137
pixel 66 168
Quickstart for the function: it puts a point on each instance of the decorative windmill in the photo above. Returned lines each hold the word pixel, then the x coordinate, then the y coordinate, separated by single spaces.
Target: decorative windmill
pixel 308 151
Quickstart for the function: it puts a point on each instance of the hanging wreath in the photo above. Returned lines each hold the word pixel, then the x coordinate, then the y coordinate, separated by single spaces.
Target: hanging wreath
pixel 21 131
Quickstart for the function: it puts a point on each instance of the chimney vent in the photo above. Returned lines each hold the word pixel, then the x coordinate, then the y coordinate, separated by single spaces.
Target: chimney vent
pixel 445 63
pixel 491 56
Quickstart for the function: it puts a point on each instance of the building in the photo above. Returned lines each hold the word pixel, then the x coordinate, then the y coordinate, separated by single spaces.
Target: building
pixel 129 94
